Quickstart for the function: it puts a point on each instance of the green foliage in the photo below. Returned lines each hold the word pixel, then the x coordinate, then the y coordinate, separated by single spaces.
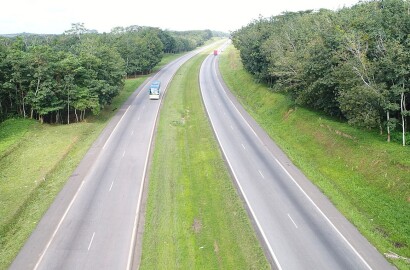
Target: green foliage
pixel 61 79
pixel 361 106
pixel 140 48
pixel 254 59
pixel 351 63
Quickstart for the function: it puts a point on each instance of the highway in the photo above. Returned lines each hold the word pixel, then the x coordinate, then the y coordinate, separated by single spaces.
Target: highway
pixel 298 226
pixel 92 224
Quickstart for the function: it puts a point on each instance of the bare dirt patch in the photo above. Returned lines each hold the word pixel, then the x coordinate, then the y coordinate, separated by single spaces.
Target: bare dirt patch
pixel 216 247
pixel 286 116
pixel 197 225
pixel 338 132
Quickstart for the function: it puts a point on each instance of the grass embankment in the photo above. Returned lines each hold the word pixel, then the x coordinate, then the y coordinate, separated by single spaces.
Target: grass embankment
pixel 35 162
pixel 367 178
pixel 194 217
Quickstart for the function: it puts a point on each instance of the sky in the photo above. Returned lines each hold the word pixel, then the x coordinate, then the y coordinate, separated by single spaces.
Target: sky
pixel 56 16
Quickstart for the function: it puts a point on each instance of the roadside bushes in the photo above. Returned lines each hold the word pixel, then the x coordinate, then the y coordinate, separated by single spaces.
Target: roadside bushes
pixel 351 63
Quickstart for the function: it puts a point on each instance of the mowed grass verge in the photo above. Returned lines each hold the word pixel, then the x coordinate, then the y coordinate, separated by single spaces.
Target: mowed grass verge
pixel 35 162
pixel 194 217
pixel 366 178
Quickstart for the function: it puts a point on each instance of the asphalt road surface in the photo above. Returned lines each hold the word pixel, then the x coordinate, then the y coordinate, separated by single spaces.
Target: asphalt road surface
pixel 92 224
pixel 298 226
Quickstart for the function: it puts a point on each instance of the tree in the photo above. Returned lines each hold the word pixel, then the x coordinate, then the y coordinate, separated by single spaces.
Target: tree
pixel 352 63
pixel 249 41
pixel 69 68
pixel 103 72
pixel 168 41
pixel 77 29
pixel 40 61
pixel 57 78
pixel 4 94
pixel 16 79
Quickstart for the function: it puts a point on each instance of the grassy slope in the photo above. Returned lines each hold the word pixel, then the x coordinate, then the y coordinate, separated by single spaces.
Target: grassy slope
pixel 194 219
pixel 35 162
pixel 365 177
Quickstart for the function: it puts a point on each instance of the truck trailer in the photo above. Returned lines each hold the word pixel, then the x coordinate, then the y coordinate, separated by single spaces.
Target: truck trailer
pixel 155 90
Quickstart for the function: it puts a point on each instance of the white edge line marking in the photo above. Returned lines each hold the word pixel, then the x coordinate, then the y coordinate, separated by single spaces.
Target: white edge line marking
pixel 129 264
pixel 145 169
pixel 325 217
pixel 292 221
pixel 91 241
pixel 294 181
pixel 134 230
pixel 247 201
pixel 58 227
pixel 112 183
pixel 73 199
pixel 116 127
pixel 250 207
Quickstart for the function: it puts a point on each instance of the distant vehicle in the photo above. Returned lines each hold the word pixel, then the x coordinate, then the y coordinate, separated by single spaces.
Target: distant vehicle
pixel 215 52
pixel 155 90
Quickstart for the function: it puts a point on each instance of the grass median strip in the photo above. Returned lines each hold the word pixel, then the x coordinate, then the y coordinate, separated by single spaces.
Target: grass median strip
pixel 194 217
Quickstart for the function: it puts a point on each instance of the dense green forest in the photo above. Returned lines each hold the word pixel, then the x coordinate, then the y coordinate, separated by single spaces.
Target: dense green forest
pixel 353 63
pixel 61 78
